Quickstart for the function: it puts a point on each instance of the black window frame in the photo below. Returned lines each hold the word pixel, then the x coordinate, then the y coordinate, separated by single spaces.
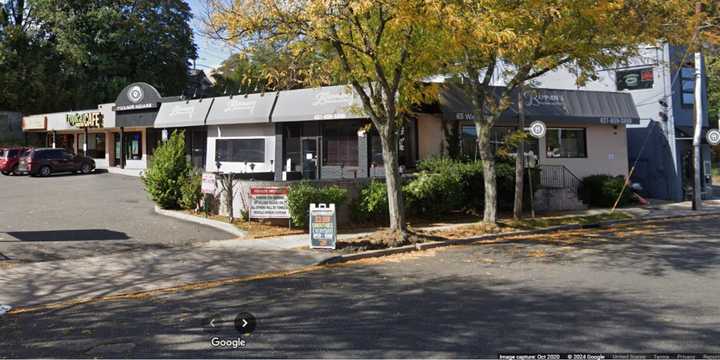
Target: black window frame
pixel 687 79
pixel 584 133
pixel 233 152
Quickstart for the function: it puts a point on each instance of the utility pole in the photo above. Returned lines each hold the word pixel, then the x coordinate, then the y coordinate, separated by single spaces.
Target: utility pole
pixel 520 159
pixel 699 115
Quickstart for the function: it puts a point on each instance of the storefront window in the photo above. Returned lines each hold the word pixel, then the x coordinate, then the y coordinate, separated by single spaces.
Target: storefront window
pixel 96 146
pixel 469 144
pixel 66 141
pixel 292 134
pixel 240 150
pixel 340 144
pixel 566 143
pixel 133 146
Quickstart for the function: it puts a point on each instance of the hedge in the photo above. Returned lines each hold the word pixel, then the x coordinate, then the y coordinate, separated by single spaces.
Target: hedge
pixel 440 187
pixel 301 195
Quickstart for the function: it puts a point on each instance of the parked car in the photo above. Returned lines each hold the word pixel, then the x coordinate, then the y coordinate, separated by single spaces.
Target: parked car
pixel 9 159
pixel 43 162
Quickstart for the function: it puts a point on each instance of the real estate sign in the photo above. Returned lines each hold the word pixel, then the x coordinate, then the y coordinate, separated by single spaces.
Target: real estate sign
pixel 269 203
pixel 323 226
pixel 208 183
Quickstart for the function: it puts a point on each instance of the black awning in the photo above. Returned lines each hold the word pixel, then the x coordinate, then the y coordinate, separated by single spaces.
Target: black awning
pixel 550 105
pixel 136 118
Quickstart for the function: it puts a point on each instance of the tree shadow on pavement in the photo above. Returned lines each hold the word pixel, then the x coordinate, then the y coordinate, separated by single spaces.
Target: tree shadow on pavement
pixel 652 249
pixel 386 310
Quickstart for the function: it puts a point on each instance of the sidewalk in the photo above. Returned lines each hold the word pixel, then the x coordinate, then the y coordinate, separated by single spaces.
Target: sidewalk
pixel 53 281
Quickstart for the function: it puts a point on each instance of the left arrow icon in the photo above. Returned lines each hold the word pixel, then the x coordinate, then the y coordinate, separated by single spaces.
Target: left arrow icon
pixel 211 324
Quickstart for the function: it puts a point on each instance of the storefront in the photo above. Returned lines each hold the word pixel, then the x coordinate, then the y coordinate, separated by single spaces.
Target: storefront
pixel 241 138
pixel 326 134
pixel 35 129
pixel 586 130
pixel 188 116
pixel 134 137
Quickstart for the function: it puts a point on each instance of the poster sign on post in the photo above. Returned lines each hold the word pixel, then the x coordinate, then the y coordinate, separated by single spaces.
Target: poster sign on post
pixel 323 226
pixel 269 203
pixel 208 183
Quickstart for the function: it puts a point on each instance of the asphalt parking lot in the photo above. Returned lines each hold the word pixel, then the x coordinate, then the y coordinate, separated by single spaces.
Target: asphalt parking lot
pixel 72 216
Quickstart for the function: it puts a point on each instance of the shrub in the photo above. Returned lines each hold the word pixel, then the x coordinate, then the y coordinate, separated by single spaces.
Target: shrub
pixel 164 178
pixel 432 194
pixel 372 204
pixel 603 191
pixel 301 195
pixel 190 191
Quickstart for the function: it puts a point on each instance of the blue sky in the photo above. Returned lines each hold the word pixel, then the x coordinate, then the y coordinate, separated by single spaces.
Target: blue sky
pixel 210 53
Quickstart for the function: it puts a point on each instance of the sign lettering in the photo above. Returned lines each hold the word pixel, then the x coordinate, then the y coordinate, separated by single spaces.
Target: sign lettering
pixel 323 226
pixel 85 120
pixel 269 203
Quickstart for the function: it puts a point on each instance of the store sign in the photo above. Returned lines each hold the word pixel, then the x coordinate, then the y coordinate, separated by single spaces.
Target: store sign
pixel 635 79
pixel 34 123
pixel 269 203
pixel 137 107
pixel 85 120
pixel 138 96
pixel 323 226
pixel 208 183
pixel 615 121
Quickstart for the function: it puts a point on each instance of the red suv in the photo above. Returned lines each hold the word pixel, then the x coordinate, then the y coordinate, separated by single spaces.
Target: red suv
pixel 9 158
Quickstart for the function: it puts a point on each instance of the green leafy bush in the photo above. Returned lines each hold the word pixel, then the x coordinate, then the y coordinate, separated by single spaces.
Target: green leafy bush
pixel 372 204
pixel 603 191
pixel 191 191
pixel 166 175
pixel 301 195
pixel 431 194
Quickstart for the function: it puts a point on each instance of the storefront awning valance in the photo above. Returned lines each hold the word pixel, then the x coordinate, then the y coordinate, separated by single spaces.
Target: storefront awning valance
pixel 324 103
pixel 242 109
pixel 556 105
pixel 183 113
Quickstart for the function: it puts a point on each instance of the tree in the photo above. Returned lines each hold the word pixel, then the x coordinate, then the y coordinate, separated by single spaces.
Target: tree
pixel 264 68
pixel 169 171
pixel 381 48
pixel 70 54
pixel 521 40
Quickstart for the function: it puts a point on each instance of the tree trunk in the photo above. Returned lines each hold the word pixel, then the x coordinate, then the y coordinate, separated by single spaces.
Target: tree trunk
pixel 393 181
pixel 520 162
pixel 488 160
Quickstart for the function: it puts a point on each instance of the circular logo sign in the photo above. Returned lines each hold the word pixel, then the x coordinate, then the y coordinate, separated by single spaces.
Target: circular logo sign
pixel 713 137
pixel 135 94
pixel 537 129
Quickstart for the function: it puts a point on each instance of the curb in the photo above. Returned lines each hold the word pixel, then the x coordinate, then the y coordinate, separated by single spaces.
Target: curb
pixel 445 243
pixel 228 228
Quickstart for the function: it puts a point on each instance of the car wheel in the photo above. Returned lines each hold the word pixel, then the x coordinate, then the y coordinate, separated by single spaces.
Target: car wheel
pixel 16 171
pixel 45 171
pixel 6 173
pixel 85 168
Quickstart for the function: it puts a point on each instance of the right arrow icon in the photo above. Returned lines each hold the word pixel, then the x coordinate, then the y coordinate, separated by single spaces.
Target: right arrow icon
pixel 245 323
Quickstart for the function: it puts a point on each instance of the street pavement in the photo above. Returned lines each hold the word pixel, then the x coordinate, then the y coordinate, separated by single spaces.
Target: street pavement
pixel 653 287
pixel 75 216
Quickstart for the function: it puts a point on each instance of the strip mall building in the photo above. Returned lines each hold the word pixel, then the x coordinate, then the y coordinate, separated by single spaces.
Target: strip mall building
pixel 321 133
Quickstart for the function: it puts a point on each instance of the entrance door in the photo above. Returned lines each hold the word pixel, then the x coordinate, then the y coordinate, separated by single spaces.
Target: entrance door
pixel 310 157
pixel 118 149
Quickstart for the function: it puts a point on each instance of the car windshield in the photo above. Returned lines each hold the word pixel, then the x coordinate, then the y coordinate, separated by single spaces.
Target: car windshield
pixel 3 154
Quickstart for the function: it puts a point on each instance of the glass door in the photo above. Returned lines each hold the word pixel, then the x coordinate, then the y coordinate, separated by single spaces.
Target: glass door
pixel 310 157
pixel 118 149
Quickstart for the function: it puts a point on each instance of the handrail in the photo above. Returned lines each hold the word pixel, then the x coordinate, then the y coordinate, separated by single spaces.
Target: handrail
pixel 558 176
